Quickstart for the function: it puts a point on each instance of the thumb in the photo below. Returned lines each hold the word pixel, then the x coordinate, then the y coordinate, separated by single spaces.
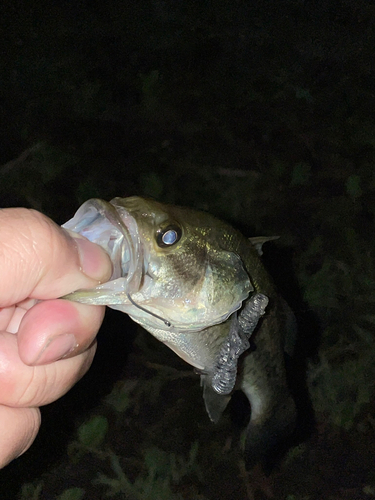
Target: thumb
pixel 40 260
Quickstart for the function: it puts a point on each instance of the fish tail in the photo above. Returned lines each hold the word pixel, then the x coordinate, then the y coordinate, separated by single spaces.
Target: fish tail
pixel 266 437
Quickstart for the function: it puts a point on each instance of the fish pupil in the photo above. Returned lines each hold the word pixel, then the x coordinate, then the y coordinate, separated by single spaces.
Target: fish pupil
pixel 169 237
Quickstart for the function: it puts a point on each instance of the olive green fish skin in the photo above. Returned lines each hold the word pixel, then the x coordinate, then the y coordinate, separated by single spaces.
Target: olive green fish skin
pixel 262 374
pixel 215 265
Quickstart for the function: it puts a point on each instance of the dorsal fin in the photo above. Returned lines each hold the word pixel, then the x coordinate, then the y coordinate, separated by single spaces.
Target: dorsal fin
pixel 258 242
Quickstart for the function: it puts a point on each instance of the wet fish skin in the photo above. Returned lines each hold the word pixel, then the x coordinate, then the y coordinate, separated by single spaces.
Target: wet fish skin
pixel 196 285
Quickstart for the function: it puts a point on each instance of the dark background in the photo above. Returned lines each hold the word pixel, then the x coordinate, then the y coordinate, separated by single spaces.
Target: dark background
pixel 261 112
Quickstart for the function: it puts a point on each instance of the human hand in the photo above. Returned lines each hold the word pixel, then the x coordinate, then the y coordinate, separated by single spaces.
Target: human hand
pixel 46 344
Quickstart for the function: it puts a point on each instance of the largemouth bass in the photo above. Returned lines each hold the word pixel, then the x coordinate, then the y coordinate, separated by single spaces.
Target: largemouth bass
pixel 199 286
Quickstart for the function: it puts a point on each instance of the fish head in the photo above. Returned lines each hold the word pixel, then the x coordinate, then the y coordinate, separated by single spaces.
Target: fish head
pixel 173 268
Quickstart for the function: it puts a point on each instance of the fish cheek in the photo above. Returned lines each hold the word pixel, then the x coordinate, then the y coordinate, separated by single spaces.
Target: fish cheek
pixel 178 270
pixel 187 265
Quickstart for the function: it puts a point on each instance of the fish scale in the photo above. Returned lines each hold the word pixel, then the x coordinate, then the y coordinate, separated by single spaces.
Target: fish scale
pixel 203 291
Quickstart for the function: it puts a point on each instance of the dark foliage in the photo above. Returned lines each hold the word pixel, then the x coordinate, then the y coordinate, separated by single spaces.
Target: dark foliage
pixel 260 112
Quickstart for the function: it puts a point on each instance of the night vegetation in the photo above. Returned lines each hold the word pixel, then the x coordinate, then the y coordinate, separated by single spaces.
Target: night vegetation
pixel 260 112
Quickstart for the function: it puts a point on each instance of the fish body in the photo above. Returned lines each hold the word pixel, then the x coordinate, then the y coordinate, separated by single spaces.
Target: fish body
pixel 199 286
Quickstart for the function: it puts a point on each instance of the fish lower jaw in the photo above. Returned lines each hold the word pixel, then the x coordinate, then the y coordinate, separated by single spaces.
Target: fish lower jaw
pixel 181 345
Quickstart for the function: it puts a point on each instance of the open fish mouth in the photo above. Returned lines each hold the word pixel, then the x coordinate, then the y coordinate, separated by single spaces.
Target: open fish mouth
pixel 116 231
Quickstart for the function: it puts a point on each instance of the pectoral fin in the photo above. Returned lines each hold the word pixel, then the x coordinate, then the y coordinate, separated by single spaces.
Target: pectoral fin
pixel 215 403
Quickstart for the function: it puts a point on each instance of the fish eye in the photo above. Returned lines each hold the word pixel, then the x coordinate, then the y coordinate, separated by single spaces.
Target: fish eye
pixel 168 236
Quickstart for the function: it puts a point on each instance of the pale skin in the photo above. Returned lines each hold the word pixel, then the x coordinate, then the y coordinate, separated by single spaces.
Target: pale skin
pixel 46 344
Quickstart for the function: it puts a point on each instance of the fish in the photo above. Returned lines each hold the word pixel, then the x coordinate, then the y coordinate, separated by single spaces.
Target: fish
pixel 199 286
